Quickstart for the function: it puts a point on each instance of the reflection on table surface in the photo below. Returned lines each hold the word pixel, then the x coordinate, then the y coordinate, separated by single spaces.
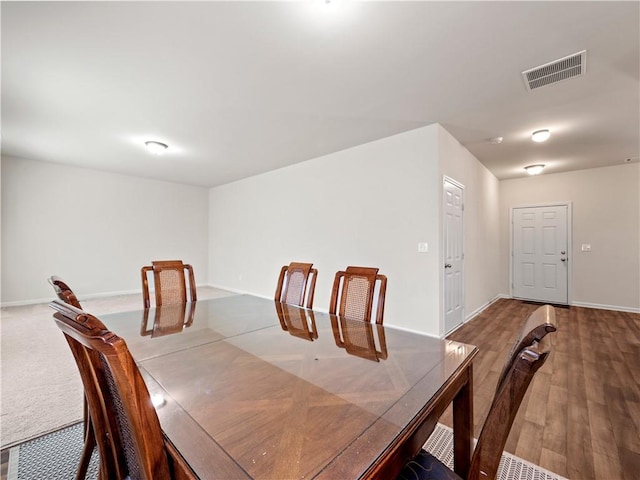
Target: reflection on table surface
pixel 355 336
pixel 168 319
pixel 257 389
pixel 359 338
pixel 299 322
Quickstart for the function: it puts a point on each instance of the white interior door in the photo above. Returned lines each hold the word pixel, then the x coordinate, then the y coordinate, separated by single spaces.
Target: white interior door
pixel 453 256
pixel 540 253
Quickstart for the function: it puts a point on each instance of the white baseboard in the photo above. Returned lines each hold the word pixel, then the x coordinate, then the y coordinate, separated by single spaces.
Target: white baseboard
pixel 614 308
pixel 87 296
pixel 476 312
pixel 244 292
pixel 22 303
pixel 410 330
pixel 236 290
pixel 480 309
pixel 92 296
pixel 228 289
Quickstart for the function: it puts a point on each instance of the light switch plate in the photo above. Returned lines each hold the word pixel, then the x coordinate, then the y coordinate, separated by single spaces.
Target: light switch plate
pixel 586 247
pixel 423 247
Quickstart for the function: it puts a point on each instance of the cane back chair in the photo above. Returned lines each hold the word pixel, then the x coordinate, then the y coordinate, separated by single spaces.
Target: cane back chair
pixel 130 440
pixel 64 293
pixel 518 372
pixel 354 292
pixel 296 284
pixel 169 282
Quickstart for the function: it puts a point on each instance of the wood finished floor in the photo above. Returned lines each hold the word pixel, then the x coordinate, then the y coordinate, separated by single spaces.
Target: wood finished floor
pixel 581 415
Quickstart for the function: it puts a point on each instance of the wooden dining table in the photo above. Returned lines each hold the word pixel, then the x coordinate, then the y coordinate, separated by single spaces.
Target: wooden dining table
pixel 250 388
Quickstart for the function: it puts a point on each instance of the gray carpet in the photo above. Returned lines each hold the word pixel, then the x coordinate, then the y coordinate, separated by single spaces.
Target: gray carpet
pixel 48 375
pixel 55 457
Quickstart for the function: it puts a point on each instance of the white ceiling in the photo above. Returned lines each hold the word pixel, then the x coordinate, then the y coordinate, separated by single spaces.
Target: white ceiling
pixel 240 88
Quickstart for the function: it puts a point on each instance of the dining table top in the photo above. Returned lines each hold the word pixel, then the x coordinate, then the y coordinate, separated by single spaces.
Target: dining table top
pixel 255 389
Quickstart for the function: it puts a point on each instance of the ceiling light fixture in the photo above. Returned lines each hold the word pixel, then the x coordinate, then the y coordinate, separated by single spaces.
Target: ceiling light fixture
pixel 156 147
pixel 495 140
pixel 534 169
pixel 540 135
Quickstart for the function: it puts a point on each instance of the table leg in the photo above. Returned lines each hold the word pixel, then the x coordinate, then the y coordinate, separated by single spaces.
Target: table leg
pixel 463 426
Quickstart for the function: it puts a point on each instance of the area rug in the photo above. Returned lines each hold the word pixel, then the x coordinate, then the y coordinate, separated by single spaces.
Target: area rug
pixel 55 457
pixel 440 445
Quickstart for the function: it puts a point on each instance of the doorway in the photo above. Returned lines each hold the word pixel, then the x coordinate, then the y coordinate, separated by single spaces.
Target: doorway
pixel 540 240
pixel 453 223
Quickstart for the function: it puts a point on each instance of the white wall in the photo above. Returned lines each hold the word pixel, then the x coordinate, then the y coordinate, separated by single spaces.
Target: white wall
pixel 481 222
pixel 93 229
pixel 606 214
pixel 369 205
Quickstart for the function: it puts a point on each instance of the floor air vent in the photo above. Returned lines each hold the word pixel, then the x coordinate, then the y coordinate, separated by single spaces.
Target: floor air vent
pixel 553 72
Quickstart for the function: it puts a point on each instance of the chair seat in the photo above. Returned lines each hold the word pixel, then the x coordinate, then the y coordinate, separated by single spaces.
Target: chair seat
pixel 426 467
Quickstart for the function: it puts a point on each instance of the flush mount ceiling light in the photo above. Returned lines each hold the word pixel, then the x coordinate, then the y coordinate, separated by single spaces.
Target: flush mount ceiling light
pixel 495 140
pixel 156 147
pixel 534 169
pixel 540 135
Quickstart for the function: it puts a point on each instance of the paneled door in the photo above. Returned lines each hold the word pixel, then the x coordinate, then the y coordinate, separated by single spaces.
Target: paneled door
pixel 540 254
pixel 453 255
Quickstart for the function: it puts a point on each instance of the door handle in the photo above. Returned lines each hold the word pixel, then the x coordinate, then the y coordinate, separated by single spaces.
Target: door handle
pixel 563 259
pixel 447 265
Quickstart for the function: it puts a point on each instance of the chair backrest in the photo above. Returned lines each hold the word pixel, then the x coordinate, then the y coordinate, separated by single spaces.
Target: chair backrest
pixel 130 439
pixel 169 280
pixel 534 328
pixel 519 373
pixel 355 289
pixel 297 284
pixel 64 292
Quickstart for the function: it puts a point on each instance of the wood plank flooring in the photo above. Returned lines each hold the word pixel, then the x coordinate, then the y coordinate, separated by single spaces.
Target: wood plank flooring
pixel 581 415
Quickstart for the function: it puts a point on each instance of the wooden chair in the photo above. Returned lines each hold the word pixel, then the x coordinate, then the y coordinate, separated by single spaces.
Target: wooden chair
pixel 130 440
pixel 515 380
pixel 297 284
pixel 168 319
pixel 65 294
pixel 169 280
pixel 534 328
pixel 358 338
pixel 355 288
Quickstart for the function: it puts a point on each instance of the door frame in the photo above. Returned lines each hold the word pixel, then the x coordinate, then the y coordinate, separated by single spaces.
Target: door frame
pixel 443 298
pixel 569 243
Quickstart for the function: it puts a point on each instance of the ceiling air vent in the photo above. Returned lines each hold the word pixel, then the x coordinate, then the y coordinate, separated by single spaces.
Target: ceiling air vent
pixel 553 72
